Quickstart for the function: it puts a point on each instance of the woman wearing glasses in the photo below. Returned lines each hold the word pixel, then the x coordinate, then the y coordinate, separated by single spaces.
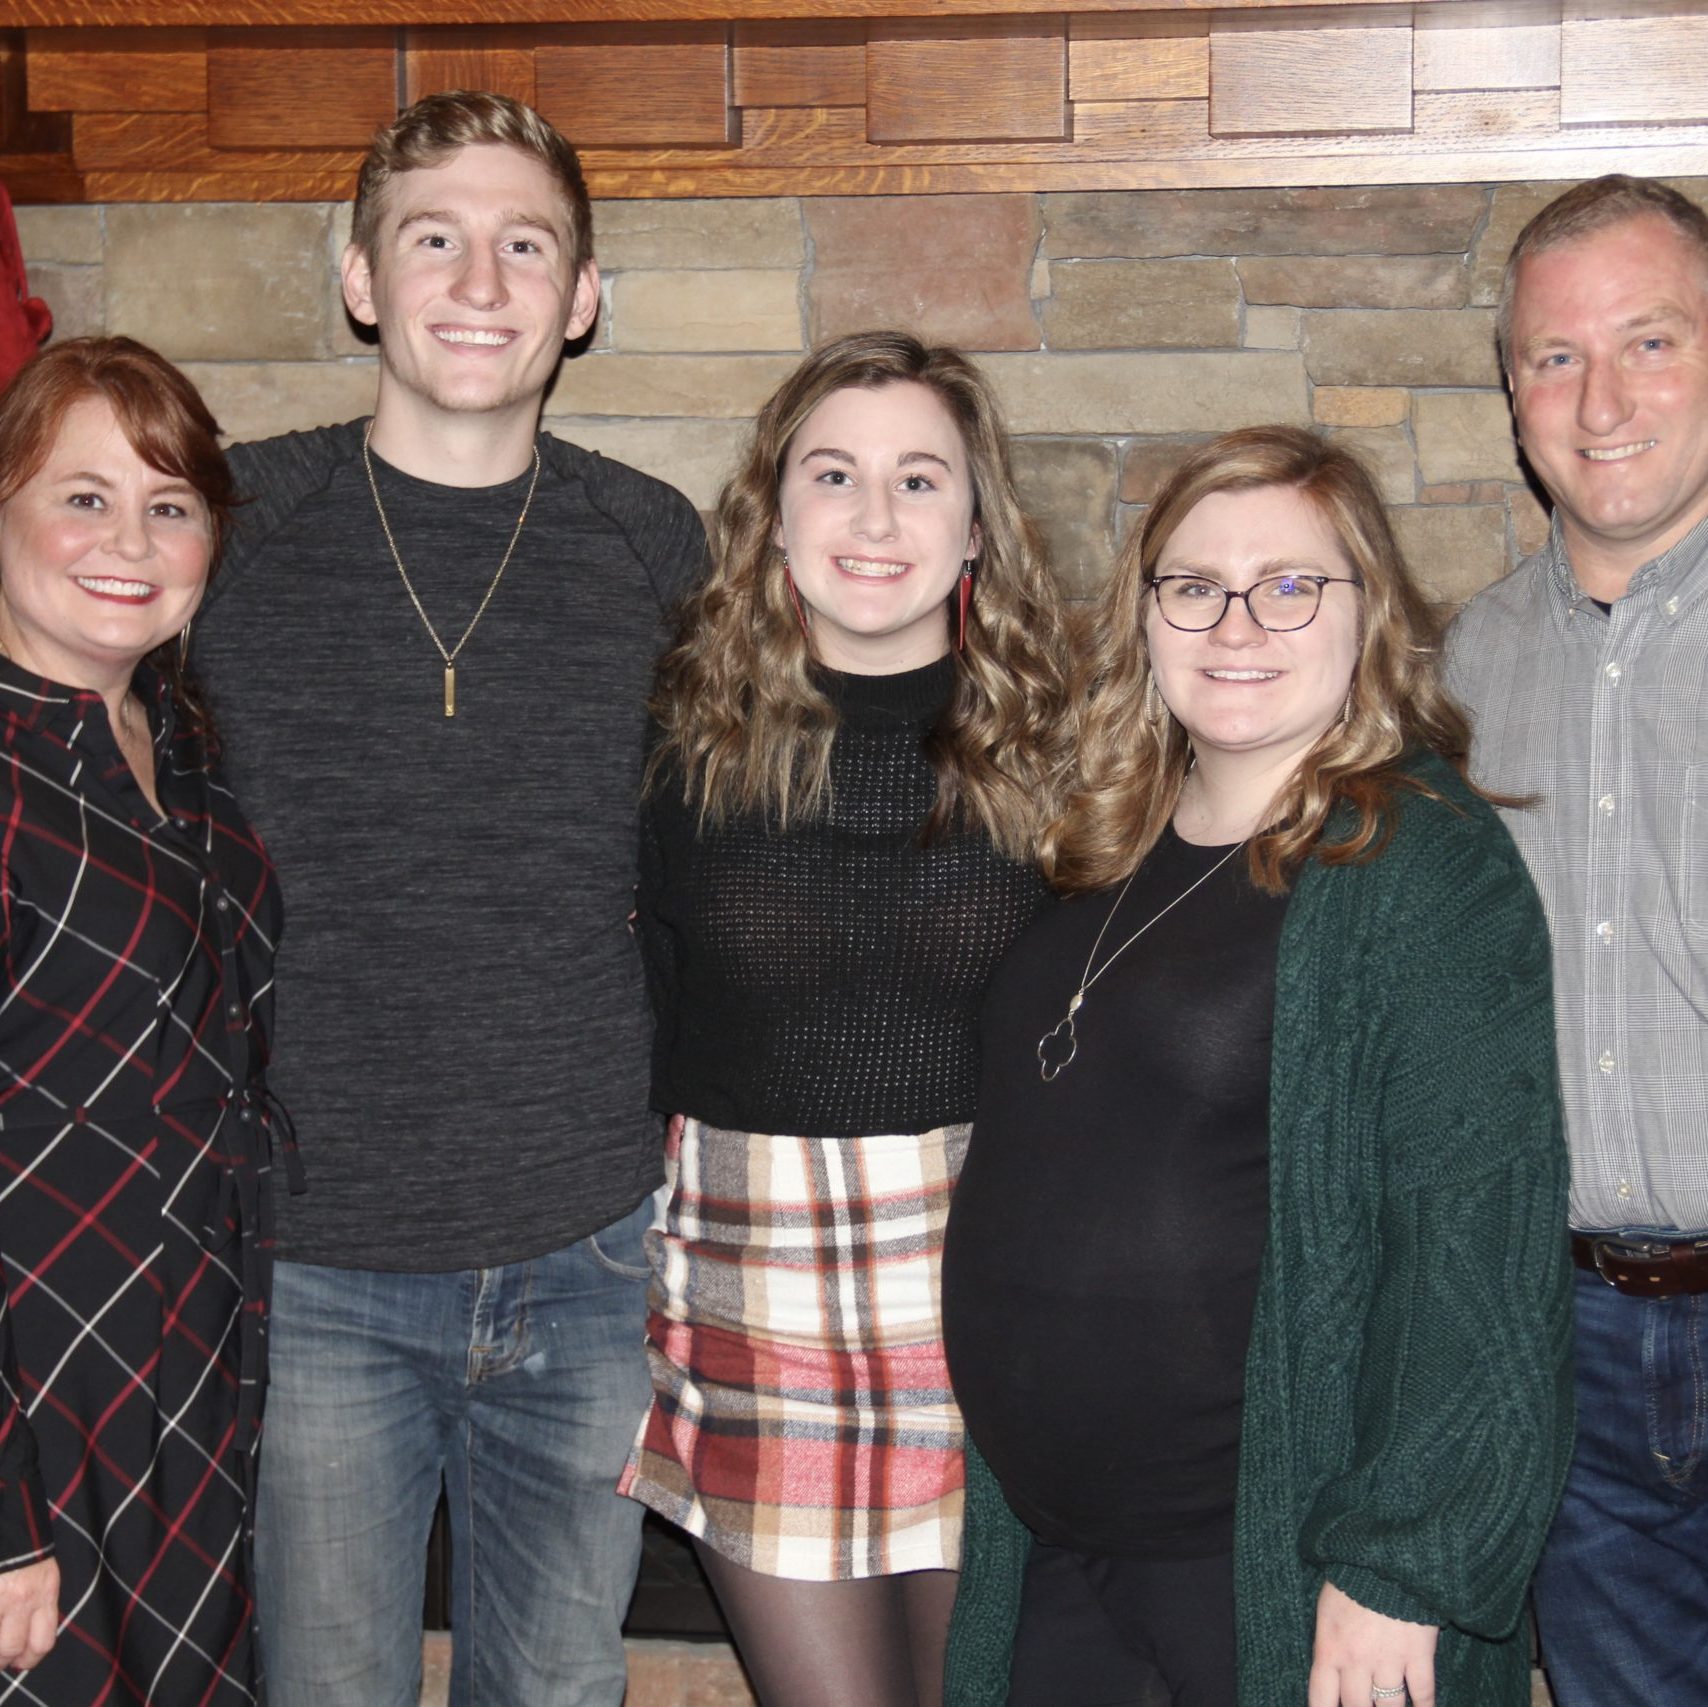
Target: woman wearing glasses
pixel 1255 1291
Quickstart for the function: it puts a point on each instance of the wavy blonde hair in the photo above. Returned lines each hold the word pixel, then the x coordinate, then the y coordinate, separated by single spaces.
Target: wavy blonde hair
pixel 1133 755
pixel 744 723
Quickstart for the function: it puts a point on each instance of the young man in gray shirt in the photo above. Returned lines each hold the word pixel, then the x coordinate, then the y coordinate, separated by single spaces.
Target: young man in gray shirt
pixel 429 652
pixel 1587 674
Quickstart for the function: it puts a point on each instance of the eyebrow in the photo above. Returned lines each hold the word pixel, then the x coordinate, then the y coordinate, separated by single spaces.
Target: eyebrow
pixel 1662 314
pixel 1265 571
pixel 90 477
pixel 905 460
pixel 508 217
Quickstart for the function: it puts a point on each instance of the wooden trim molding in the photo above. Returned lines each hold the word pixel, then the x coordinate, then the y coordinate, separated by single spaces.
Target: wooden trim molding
pixel 273 100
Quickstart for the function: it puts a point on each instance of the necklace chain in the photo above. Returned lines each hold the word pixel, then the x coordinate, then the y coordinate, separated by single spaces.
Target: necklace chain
pixel 1064 1034
pixel 450 657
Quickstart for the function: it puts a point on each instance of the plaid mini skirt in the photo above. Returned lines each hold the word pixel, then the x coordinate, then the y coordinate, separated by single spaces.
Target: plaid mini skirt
pixel 802 1423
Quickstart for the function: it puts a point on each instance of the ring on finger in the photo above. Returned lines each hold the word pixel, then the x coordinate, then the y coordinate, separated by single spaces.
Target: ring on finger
pixel 1387 1691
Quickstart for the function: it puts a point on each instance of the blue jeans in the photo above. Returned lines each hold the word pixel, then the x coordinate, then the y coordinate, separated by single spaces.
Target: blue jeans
pixel 522 1387
pixel 1622 1593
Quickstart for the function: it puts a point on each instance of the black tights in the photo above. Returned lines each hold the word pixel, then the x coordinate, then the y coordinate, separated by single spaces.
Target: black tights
pixel 868 1642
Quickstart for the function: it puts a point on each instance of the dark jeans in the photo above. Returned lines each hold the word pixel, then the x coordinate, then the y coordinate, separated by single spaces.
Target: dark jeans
pixel 1097 1631
pixel 1622 1593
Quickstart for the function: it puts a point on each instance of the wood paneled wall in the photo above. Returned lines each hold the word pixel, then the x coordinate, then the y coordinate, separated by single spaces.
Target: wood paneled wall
pixel 155 108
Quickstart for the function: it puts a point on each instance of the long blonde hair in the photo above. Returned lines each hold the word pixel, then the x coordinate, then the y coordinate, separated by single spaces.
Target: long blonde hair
pixel 1133 755
pixel 744 724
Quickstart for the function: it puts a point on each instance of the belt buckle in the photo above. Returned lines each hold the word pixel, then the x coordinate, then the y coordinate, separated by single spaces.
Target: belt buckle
pixel 1625 1250
pixel 1599 1249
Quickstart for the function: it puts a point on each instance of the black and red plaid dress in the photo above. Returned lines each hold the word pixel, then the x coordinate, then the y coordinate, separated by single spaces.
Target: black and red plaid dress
pixel 134 1240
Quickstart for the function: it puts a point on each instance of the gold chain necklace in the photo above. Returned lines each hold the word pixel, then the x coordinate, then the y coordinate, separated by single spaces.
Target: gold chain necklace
pixel 1063 1036
pixel 450 657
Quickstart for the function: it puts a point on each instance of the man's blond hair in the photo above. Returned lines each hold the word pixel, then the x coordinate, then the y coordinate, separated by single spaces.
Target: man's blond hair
pixel 437 126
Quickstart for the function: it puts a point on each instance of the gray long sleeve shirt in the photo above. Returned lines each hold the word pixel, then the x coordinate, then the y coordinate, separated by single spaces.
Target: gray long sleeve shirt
pixel 1603 717
pixel 462 1037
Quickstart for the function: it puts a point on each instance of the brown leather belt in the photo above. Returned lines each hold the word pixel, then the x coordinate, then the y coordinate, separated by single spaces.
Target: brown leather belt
pixel 1644 1268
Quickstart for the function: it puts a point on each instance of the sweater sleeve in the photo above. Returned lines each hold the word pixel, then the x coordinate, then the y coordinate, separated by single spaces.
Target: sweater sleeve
pixel 25 1535
pixel 657 940
pixel 994 1547
pixel 273 476
pixel 1461 1426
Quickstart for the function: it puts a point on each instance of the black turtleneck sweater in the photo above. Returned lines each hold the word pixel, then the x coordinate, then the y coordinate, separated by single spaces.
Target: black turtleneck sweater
pixel 826 980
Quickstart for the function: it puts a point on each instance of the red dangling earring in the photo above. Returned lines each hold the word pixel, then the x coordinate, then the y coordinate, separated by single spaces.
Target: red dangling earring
pixel 966 599
pixel 795 598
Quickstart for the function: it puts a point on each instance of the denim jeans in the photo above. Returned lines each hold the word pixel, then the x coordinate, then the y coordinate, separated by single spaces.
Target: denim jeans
pixel 1622 1593
pixel 522 1387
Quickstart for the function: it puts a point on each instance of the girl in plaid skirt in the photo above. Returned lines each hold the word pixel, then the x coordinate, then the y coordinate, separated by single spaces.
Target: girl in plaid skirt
pixel 858 735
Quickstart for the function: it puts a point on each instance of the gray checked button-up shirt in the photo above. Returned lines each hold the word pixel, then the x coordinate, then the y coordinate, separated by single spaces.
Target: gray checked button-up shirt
pixel 1601 717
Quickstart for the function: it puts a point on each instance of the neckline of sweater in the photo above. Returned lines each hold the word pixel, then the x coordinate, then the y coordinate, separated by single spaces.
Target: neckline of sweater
pixel 877 702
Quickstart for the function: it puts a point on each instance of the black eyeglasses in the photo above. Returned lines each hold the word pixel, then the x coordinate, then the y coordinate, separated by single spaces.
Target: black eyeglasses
pixel 1278 603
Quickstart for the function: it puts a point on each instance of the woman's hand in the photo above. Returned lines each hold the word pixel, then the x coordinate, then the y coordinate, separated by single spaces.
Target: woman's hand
pixel 673 1136
pixel 29 1614
pixel 1359 1651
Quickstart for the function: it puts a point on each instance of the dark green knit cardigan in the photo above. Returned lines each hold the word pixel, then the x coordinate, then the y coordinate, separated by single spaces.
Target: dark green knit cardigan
pixel 1408 1409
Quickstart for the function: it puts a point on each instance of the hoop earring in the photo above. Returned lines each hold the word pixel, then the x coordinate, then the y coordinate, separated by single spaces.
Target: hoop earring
pixel 1156 707
pixel 795 598
pixel 184 649
pixel 966 598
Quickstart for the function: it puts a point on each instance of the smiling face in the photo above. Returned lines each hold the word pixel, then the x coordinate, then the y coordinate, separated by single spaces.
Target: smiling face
pixel 102 557
pixel 876 508
pixel 1609 380
pixel 472 285
pixel 1238 690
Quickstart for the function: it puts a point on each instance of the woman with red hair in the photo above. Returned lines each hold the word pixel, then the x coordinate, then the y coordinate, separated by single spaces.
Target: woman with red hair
pixel 138 914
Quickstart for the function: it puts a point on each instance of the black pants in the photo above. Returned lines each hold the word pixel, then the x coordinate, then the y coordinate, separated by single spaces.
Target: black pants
pixel 1097 1631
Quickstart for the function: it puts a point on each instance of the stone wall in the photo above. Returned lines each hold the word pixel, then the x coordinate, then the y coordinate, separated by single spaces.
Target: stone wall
pixel 1118 326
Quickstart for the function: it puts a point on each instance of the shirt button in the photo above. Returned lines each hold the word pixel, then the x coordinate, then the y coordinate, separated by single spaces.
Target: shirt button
pixel 232 1010
pixel 1605 806
pixel 1613 672
pixel 1624 1188
pixel 1671 607
pixel 222 905
pixel 1605 931
pixel 180 823
pixel 1606 1062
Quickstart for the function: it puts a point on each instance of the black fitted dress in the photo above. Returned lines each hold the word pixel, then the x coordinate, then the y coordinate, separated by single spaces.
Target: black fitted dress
pixel 135 1136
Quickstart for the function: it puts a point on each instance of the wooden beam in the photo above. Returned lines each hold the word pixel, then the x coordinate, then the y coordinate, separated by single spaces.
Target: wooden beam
pixel 1301 81
pixel 639 83
pixel 800 64
pixel 1145 56
pixel 435 60
pixel 486 13
pixel 178 142
pixel 319 88
pixel 1621 70
pixel 118 71
pixel 22 132
pixel 984 77
pixel 1503 44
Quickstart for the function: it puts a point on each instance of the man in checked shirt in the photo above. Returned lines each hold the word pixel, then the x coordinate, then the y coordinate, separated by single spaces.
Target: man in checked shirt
pixel 1586 672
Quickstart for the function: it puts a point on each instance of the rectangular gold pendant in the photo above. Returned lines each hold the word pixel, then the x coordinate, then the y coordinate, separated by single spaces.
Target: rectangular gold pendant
pixel 450 690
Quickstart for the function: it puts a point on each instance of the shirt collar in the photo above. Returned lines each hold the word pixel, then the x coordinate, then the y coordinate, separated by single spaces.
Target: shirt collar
pixel 1679 574
pixel 77 717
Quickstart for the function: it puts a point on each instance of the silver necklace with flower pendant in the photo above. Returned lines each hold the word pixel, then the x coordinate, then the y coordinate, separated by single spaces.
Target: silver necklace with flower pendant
pixel 1058 1046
